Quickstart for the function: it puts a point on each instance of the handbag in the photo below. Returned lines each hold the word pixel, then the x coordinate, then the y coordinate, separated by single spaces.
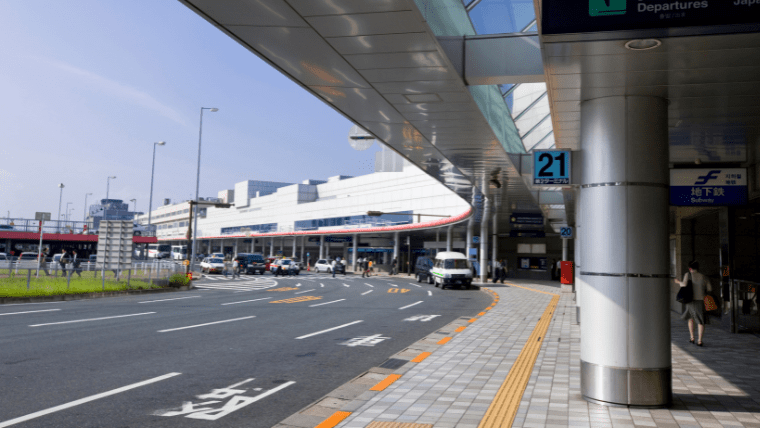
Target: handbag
pixel 710 304
pixel 686 294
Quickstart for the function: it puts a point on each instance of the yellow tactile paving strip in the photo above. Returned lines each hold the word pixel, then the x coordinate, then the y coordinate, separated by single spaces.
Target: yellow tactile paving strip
pixel 333 420
pixel 421 357
pixel 385 382
pixel 503 409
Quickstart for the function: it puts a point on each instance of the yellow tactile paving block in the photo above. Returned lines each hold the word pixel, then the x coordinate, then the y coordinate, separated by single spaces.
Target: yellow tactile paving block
pixel 333 420
pixel 504 407
pixel 385 382
pixel 444 341
pixel 460 329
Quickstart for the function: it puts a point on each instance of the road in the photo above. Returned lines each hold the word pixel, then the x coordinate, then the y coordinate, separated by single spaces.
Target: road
pixel 245 352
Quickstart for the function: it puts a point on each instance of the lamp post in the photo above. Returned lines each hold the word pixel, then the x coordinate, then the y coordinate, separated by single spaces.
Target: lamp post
pixel 134 202
pixel 67 210
pixel 108 190
pixel 197 186
pixel 84 214
pixel 60 199
pixel 152 170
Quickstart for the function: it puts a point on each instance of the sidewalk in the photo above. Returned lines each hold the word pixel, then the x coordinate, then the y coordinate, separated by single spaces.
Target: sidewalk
pixel 461 383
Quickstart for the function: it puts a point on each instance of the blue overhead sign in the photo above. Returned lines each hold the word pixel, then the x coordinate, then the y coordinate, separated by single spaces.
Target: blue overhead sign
pixel 551 167
pixel 708 187
pixel 527 218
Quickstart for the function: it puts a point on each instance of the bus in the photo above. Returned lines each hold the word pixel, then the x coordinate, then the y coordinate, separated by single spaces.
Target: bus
pixel 179 252
pixel 159 251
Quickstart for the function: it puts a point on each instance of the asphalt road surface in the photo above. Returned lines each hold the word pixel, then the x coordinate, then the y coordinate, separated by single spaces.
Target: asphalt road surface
pixel 231 353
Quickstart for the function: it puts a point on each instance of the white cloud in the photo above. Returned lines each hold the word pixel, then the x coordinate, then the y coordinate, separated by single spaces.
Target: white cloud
pixel 121 90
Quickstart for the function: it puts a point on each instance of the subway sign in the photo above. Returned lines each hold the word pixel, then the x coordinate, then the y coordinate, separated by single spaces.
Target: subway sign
pixel 584 16
pixel 708 187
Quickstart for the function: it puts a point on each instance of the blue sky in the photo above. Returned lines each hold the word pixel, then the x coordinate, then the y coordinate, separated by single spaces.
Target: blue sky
pixel 88 86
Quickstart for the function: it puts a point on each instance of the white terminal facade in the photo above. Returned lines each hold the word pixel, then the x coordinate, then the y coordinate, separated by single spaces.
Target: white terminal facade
pixel 324 218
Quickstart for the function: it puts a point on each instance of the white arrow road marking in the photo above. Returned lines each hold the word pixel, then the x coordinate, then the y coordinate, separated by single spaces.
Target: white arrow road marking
pixel 30 312
pixel 346 285
pixel 246 301
pixel 321 285
pixel 416 285
pixel 92 319
pixel 327 303
pixel 393 285
pixel 370 285
pixel 409 306
pixel 367 292
pixel 205 324
pixel 85 400
pixel 325 331
pixel 298 285
pixel 430 293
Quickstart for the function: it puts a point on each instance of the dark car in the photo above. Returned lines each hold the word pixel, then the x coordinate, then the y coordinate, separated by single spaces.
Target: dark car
pixel 252 263
pixel 340 267
pixel 422 269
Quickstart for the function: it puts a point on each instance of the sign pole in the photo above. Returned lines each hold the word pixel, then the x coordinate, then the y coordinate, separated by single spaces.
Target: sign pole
pixel 39 252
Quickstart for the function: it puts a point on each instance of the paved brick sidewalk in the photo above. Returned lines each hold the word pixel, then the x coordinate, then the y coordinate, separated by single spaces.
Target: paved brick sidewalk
pixel 717 385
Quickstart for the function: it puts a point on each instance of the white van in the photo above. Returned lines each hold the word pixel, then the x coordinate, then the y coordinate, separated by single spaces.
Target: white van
pixel 451 268
pixel 179 252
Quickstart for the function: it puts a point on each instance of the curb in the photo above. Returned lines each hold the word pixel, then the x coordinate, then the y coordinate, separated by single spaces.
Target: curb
pixel 335 406
pixel 86 296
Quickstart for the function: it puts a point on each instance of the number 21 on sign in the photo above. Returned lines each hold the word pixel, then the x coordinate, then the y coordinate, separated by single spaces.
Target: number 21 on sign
pixel 551 167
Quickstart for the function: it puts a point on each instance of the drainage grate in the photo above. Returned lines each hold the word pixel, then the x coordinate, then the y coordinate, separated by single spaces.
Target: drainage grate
pixel 393 363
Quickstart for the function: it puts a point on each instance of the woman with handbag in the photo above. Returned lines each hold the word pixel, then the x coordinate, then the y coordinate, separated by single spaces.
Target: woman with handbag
pixel 695 309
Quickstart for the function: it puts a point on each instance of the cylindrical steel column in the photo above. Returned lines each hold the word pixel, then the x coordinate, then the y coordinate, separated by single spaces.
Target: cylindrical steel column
pixel 625 321
pixel 578 284
pixel 303 250
pixel 484 240
pixel 470 230
pixel 564 250
pixel 494 241
pixel 271 247
pixel 321 246
pixel 396 244
pixel 354 252
pixel 236 247
pixel 450 238
pixel 294 246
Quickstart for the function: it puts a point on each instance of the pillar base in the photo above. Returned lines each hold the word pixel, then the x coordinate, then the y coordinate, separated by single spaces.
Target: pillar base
pixel 626 387
pixel 566 288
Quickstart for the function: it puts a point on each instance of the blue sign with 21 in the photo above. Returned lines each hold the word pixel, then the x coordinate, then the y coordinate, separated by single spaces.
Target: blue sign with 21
pixel 551 167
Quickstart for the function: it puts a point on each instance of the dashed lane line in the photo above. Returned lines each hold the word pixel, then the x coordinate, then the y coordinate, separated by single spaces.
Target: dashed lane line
pixel 327 303
pixel 329 330
pixel 409 306
pixel 305 291
pixel 367 292
pixel 91 319
pixel 166 300
pixel 372 286
pixel 246 301
pixel 205 324
pixel 30 312
pixel 85 400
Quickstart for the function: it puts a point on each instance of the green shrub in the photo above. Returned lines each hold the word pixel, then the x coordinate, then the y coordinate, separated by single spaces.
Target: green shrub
pixel 178 280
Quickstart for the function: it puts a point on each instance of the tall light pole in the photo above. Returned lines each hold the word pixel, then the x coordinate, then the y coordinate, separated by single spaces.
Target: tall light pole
pixel 197 186
pixel 84 215
pixel 67 210
pixel 108 189
pixel 152 169
pixel 134 202
pixel 60 199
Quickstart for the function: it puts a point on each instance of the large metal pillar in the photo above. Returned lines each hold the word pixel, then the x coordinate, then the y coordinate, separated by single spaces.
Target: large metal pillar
pixel 484 240
pixel 577 256
pixel 271 247
pixel 470 230
pixel 321 246
pixel 449 238
pixel 354 252
pixel 303 249
pixel 236 247
pixel 396 247
pixel 294 246
pixel 494 239
pixel 625 321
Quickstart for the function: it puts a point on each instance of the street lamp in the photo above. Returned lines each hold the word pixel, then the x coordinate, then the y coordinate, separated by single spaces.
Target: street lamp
pixel 152 169
pixel 197 185
pixel 60 198
pixel 108 189
pixel 84 215
pixel 134 201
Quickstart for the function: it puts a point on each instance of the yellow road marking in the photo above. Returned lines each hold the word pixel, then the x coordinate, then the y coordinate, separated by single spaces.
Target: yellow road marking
pixel 398 290
pixel 333 420
pixel 487 309
pixel 444 341
pixel 460 329
pixel 298 299
pixel 533 289
pixel 473 320
pixel 386 382
pixel 481 314
pixel 504 407
pixel 422 356
pixel 283 289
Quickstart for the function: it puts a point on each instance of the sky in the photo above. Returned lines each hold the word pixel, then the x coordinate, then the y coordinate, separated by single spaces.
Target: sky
pixel 87 87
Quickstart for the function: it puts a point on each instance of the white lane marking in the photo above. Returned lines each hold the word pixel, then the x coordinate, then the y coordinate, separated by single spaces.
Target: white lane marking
pixel 246 301
pixel 367 292
pixel 393 285
pixel 327 303
pixel 205 324
pixel 370 285
pixel 30 312
pixel 39 303
pixel 298 285
pixel 416 285
pixel 92 319
pixel 430 293
pixel 166 300
pixel 328 330
pixel 305 291
pixel 85 400
pixel 413 304
pixel 346 285
pixel 321 285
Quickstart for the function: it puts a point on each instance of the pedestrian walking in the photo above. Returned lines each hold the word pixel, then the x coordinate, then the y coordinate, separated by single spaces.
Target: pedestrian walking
pixel 559 270
pixel 365 268
pixel 695 310
pixel 394 266
pixel 227 266
pixel 235 269
pixel 75 263
pixel 334 267
pixel 504 270
pixel 44 261
pixel 63 260
pixel 496 271
pixel 370 266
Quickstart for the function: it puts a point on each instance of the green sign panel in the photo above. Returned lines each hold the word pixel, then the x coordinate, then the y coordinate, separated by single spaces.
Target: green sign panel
pixel 588 16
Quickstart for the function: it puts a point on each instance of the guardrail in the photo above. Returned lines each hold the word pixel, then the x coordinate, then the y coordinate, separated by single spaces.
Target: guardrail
pixel 57 226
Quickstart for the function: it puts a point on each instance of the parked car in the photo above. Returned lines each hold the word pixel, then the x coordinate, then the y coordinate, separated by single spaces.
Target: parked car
pixel 325 265
pixel 452 268
pixel 217 255
pixel 422 269
pixel 212 264
pixel 3 257
pixel 252 263
pixel 268 262
pixel 26 256
pixel 287 265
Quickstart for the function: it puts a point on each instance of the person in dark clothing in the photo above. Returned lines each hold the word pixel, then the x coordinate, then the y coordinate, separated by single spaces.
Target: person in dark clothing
pixel 63 260
pixel 394 266
pixel 75 262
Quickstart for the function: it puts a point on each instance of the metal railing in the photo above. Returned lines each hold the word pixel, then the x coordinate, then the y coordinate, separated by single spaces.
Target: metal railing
pixel 59 226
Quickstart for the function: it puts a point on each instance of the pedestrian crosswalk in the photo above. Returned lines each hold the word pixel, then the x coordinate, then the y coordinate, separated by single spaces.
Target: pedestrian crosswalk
pixel 244 283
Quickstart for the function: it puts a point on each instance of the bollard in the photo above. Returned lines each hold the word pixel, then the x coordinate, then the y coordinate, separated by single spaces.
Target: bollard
pixel 68 280
pixel 28 278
